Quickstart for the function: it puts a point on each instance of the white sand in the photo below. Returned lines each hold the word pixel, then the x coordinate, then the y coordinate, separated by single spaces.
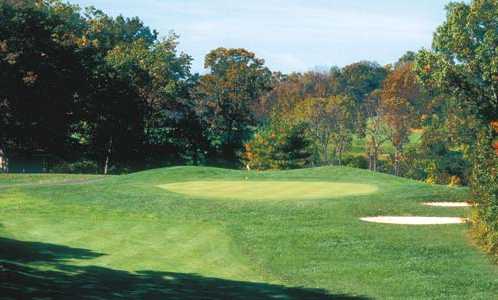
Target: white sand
pixel 414 220
pixel 448 204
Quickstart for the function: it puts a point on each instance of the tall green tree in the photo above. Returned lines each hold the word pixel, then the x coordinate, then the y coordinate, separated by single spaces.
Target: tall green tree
pixel 41 75
pixel 331 124
pixel 82 84
pixel 361 78
pixel 463 64
pixel 282 144
pixel 161 79
pixel 227 96
pixel 112 109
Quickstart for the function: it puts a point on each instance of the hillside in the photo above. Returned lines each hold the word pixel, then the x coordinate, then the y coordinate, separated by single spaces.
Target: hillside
pixel 168 233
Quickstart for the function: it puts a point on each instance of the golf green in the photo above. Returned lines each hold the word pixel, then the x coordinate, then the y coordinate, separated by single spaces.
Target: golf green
pixel 268 190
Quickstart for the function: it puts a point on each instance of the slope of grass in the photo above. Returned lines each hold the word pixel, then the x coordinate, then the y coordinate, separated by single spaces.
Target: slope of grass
pixel 358 146
pixel 32 179
pixel 126 237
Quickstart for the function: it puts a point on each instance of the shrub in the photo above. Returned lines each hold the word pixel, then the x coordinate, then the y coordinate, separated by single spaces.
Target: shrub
pixel 81 167
pixel 484 184
pixel 355 161
pixel 280 146
pixel 455 181
pixel 120 169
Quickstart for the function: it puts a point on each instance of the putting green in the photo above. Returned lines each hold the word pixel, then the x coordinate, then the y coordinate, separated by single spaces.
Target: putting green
pixel 268 190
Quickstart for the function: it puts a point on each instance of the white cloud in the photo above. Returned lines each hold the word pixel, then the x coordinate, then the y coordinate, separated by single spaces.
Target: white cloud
pixel 292 34
pixel 288 61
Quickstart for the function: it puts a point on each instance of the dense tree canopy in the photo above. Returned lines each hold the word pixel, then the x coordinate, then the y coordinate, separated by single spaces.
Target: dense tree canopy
pixel 107 94
pixel 109 91
pixel 464 59
pixel 34 63
pixel 360 79
pixel 227 97
pixel 463 64
pixel 104 87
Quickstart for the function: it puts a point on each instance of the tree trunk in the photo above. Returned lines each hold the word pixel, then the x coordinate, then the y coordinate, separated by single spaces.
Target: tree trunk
pixel 334 155
pixel 339 154
pixel 397 161
pixel 3 161
pixel 342 144
pixel 108 157
pixel 375 158
pixel 325 154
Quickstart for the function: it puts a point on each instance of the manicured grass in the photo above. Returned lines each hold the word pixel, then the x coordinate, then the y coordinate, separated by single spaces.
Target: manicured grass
pixel 268 190
pixel 31 179
pixel 358 146
pixel 126 237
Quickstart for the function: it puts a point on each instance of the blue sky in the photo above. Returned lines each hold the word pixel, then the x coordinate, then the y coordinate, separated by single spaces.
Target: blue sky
pixel 291 35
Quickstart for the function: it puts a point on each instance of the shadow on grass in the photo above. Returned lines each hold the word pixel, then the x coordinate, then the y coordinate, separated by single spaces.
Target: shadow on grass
pixel 31 270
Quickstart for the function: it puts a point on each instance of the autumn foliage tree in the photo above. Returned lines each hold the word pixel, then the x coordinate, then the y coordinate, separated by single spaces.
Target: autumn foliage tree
pixel 377 133
pixel 330 123
pixel 400 93
pixel 402 82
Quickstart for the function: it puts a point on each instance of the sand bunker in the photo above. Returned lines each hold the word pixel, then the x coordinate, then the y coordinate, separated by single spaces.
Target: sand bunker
pixel 448 204
pixel 414 220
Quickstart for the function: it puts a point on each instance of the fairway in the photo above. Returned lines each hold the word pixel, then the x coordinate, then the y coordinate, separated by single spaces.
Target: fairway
pixel 124 237
pixel 268 190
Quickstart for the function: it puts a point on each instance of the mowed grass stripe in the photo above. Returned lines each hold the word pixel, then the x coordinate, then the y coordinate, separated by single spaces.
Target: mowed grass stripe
pixel 135 245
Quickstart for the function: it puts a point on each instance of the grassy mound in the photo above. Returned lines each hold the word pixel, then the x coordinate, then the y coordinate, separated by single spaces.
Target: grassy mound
pixel 125 237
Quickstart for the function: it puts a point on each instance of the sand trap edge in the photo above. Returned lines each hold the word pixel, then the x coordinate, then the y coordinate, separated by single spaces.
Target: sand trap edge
pixel 414 220
pixel 448 204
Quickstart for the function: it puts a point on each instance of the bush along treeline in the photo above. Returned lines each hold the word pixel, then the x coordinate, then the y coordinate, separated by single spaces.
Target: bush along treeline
pixel 108 94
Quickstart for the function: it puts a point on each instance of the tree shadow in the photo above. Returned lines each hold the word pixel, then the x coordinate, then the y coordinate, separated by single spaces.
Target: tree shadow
pixel 21 277
pixel 26 252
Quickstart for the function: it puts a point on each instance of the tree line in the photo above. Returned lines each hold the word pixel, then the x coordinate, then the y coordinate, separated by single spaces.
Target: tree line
pixel 108 94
